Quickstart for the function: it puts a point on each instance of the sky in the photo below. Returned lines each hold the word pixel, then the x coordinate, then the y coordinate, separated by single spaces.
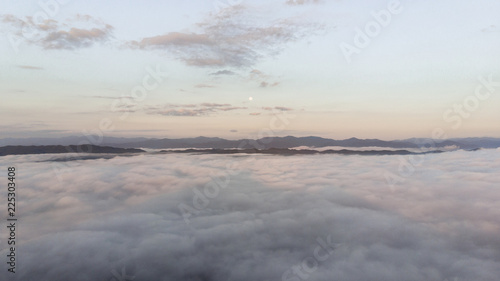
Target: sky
pixel 225 68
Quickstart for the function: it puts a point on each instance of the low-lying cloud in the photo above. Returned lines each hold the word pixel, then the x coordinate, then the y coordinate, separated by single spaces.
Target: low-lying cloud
pixel 121 215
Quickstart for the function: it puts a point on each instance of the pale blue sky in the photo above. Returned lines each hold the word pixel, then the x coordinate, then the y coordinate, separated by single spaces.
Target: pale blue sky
pixel 285 56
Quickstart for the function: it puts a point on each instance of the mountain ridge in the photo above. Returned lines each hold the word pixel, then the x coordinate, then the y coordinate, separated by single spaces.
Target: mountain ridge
pixel 57 149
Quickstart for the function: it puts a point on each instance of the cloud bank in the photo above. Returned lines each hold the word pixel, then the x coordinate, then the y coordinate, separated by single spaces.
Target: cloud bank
pixel 236 36
pixel 79 32
pixel 120 216
pixel 301 2
pixel 191 109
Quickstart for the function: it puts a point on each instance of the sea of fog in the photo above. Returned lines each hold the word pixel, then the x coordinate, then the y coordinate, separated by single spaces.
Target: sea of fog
pixel 201 217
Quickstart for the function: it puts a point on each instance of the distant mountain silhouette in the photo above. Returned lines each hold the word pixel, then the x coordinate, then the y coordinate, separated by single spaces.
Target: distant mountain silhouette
pixel 71 140
pixel 479 142
pixel 273 142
